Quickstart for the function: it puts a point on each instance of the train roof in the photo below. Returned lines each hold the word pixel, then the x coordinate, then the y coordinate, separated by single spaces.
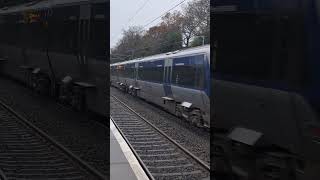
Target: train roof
pixel 45 4
pixel 195 50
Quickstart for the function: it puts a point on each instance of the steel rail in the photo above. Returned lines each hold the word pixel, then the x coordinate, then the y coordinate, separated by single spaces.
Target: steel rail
pixel 82 163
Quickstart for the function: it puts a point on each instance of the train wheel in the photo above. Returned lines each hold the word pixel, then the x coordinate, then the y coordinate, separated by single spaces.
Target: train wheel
pixel 196 119
pixel 178 112
pixel 131 91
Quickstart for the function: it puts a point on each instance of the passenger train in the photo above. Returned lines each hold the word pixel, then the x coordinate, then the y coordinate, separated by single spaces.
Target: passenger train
pixel 266 88
pixel 58 48
pixel 178 81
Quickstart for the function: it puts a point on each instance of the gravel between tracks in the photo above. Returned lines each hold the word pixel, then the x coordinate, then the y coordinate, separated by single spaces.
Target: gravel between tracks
pixel 78 132
pixel 195 140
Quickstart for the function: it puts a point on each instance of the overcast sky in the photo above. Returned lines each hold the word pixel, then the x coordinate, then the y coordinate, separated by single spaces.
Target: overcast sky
pixel 123 11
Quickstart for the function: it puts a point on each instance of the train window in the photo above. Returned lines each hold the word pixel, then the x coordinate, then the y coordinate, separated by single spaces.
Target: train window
pixel 63 36
pixel 255 49
pixel 113 71
pixel 129 71
pixel 151 71
pixel 200 72
pixel 99 32
pixel 39 38
pixel 98 41
pixel 64 29
pixel 120 70
pixel 10 30
pixel 10 33
pixel 241 54
pixel 188 71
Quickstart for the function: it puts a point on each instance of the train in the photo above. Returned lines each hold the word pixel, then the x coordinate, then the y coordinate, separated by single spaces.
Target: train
pixel 58 48
pixel 266 89
pixel 178 82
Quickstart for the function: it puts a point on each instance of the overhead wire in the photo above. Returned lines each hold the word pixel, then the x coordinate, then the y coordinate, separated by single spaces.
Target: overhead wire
pixel 158 17
pixel 132 17
pixel 143 5
pixel 153 20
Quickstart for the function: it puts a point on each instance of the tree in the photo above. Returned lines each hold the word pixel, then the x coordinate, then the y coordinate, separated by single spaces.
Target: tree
pixel 173 37
pixel 165 37
pixel 197 41
pixel 196 21
pixel 175 30
pixel 125 48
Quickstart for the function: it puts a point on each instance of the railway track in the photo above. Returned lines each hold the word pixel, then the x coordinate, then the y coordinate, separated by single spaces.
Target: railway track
pixel 26 152
pixel 161 156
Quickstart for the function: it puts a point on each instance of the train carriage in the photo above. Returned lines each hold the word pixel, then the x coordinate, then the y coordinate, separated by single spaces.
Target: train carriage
pixel 177 81
pixel 266 85
pixel 58 48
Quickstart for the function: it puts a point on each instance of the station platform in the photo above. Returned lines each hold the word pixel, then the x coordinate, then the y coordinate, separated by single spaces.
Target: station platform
pixel 123 163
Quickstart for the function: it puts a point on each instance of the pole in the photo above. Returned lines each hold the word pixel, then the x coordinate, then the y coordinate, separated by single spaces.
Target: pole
pixel 202 40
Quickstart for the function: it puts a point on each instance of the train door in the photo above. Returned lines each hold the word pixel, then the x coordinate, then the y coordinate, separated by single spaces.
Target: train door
pixel 168 100
pixel 167 78
pixel 83 38
pixel 136 66
pixel 207 88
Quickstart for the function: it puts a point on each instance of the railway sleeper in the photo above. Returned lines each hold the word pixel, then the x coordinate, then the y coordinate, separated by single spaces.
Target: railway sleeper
pixel 134 128
pixel 133 132
pixel 39 169
pixel 144 135
pixel 145 139
pixel 183 175
pixel 60 178
pixel 134 141
pixel 173 169
pixel 41 175
pixel 159 151
pixel 166 162
pixel 34 166
pixel 172 166
pixel 27 158
pixel 172 156
pixel 152 147
pixel 31 162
